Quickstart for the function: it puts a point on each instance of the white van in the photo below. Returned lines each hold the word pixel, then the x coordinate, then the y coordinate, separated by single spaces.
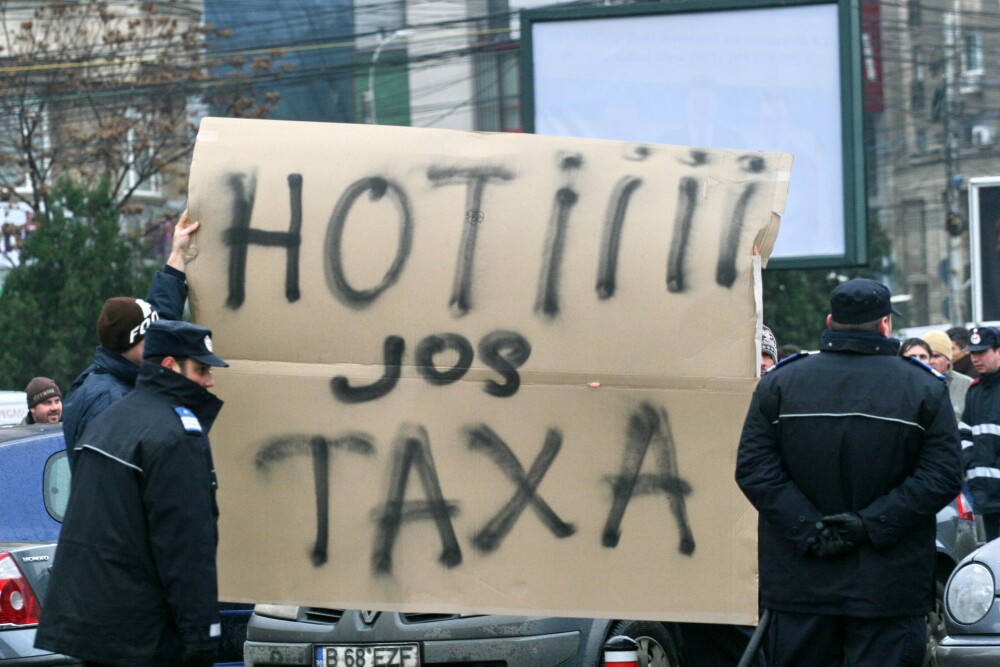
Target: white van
pixel 13 407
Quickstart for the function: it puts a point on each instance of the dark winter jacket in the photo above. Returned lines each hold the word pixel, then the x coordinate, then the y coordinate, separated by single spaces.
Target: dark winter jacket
pixel 853 428
pixel 134 577
pixel 111 376
pixel 965 367
pixel 980 429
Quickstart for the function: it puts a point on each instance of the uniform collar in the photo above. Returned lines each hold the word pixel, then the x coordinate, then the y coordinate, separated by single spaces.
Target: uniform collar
pixel 988 379
pixel 116 365
pixel 862 342
pixel 180 391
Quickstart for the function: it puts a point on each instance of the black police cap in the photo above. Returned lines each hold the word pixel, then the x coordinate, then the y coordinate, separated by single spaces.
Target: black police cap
pixel 860 300
pixel 983 338
pixel 172 338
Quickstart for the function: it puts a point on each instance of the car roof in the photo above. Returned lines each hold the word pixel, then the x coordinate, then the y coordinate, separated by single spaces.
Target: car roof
pixel 10 433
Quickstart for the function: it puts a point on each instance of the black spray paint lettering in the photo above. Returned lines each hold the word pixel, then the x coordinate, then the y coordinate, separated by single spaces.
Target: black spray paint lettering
pixel 392 353
pixel 432 345
pixel 319 448
pixel 649 426
pixel 503 351
pixel 476 179
pixel 687 200
pixel 377 188
pixel 547 298
pixel 725 270
pixel 240 235
pixel 614 220
pixel 637 152
pixel 242 188
pixel 412 448
pixel 482 438
pixel 696 159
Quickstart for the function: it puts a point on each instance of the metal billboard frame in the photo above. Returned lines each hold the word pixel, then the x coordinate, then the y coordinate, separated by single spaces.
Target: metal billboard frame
pixel 975 246
pixel 855 223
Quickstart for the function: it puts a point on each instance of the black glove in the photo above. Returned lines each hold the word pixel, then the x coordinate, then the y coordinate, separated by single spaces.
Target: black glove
pixel 850 527
pixel 827 543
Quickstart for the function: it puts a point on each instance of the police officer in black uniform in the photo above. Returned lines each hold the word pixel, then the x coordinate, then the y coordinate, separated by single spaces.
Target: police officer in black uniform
pixel 980 428
pixel 848 454
pixel 134 578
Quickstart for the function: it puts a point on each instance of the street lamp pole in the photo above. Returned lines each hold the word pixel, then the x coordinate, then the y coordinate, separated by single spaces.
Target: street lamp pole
pixel 382 43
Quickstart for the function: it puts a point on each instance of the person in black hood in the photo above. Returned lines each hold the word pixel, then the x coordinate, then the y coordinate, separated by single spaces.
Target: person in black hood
pixel 848 455
pixel 134 577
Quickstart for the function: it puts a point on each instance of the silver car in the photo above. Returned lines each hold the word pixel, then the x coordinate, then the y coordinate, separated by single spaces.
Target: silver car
pixel 972 611
pixel 280 635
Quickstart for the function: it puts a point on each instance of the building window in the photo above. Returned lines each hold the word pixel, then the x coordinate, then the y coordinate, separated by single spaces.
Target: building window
pixel 913 18
pixel 388 100
pixel 498 102
pixel 977 132
pixel 913 237
pixel 920 302
pixel 917 95
pixel 918 92
pixel 972 54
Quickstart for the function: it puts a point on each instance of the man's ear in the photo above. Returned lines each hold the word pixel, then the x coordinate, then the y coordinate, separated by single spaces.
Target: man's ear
pixel 829 318
pixel 885 326
pixel 170 362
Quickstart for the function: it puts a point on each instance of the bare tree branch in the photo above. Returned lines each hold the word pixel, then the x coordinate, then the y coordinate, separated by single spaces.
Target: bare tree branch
pixel 96 90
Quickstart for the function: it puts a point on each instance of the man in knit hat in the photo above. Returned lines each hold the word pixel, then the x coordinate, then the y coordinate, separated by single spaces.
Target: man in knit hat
pixel 121 329
pixel 941 355
pixel 44 402
pixel 768 350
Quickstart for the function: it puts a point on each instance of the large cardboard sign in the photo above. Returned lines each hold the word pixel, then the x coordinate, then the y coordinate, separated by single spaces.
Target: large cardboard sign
pixel 481 373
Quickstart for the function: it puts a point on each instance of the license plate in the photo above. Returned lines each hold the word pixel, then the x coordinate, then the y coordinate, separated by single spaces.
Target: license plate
pixel 368 655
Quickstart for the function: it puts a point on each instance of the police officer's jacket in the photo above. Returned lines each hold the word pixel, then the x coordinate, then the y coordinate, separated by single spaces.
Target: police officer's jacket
pixel 853 428
pixel 111 375
pixel 980 429
pixel 134 578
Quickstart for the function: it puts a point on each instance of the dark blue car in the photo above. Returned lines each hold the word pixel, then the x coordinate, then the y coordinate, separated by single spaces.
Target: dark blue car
pixel 34 490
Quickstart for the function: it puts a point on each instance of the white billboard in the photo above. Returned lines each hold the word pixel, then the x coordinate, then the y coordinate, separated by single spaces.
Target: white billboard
pixel 717 75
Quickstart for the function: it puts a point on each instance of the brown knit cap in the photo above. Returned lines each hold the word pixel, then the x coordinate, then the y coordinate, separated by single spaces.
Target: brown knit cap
pixel 123 322
pixel 41 389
